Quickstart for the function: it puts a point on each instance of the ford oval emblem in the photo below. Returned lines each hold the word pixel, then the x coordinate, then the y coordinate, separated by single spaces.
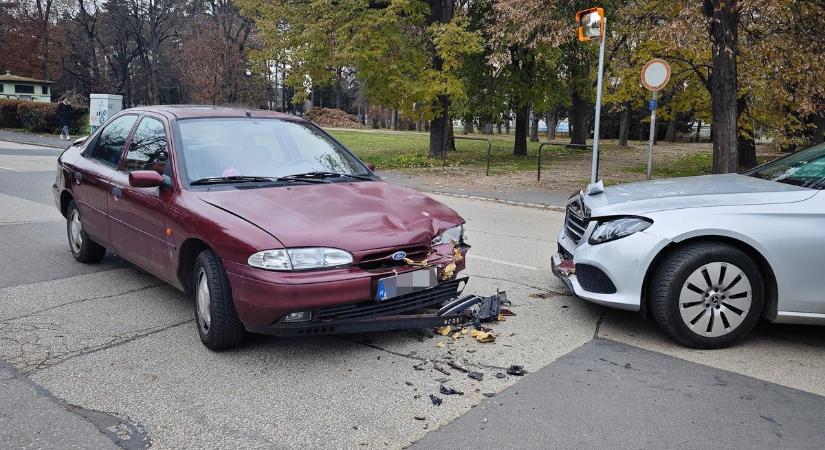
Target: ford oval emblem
pixel 398 256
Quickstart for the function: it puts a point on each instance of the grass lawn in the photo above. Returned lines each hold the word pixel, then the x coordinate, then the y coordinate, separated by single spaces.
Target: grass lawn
pixel 400 150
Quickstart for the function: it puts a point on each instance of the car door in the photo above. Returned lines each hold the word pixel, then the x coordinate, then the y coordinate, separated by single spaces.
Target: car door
pixel 138 230
pixel 93 174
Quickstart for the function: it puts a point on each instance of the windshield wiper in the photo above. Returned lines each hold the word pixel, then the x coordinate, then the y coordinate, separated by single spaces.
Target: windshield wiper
pixel 322 176
pixel 232 179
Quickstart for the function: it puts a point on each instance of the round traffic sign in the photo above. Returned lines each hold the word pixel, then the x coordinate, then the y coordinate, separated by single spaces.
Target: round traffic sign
pixel 656 74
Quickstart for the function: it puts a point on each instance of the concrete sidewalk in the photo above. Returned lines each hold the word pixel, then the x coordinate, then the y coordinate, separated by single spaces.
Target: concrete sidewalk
pixel 611 395
pixel 22 137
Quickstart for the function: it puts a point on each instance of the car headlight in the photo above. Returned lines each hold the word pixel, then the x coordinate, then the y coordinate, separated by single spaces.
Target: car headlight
pixel 613 229
pixel 454 234
pixel 300 258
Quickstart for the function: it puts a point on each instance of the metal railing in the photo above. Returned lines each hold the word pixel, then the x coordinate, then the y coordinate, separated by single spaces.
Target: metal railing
pixel 467 138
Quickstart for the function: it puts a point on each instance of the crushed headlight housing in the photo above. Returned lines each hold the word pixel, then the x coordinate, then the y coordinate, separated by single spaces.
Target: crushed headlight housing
pixel 454 234
pixel 617 228
pixel 300 259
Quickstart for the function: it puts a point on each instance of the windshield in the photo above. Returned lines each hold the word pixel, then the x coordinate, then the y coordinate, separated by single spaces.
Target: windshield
pixel 805 168
pixel 233 149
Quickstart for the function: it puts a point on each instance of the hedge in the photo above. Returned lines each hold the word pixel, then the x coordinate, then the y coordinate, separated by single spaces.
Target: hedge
pixel 38 116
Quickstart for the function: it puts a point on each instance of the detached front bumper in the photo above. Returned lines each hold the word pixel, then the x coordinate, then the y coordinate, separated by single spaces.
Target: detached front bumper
pixel 610 274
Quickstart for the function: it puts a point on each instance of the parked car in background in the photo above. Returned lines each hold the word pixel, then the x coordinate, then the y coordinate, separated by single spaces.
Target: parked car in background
pixel 706 256
pixel 272 225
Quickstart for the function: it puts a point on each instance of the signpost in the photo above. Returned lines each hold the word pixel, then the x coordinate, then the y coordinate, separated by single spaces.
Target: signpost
pixel 655 75
pixel 592 26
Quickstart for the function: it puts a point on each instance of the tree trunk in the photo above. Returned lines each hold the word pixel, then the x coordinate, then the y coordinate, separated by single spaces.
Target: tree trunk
pixel 723 29
pixel 441 11
pixel 624 125
pixel 550 118
pixel 394 119
pixel 440 128
pixel 451 137
pixel 520 143
pixel 498 128
pixel 578 120
pixel 698 130
pixel 670 135
pixel 534 128
pixel 745 138
pixel 468 125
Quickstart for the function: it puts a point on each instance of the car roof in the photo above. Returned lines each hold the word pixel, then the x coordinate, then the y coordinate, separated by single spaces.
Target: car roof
pixel 193 111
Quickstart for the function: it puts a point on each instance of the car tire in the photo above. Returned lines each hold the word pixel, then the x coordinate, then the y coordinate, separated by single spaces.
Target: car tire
pixel 218 324
pixel 707 295
pixel 83 248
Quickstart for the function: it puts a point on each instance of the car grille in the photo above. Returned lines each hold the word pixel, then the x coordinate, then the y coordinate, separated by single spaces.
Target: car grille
pixel 576 219
pixel 383 259
pixel 403 304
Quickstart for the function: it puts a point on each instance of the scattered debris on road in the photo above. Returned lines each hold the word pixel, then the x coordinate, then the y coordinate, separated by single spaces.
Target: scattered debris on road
pixel 478 376
pixel 436 400
pixel 516 370
pixel 449 391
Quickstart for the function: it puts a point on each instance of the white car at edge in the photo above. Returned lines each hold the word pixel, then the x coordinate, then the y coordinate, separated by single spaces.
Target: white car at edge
pixel 706 256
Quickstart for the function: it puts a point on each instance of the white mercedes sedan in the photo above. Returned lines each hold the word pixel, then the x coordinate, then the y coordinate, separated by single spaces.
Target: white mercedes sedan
pixel 706 256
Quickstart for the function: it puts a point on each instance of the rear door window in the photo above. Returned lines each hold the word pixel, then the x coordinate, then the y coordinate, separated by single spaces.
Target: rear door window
pixel 109 146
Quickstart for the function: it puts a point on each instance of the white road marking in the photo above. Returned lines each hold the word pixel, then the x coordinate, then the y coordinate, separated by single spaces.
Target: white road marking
pixel 506 263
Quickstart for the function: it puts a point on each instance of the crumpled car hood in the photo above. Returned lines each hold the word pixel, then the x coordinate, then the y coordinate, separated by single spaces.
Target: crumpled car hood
pixel 352 216
pixel 692 192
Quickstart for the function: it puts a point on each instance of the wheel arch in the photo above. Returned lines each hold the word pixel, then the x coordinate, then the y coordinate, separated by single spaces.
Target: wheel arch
pixel 65 198
pixel 189 251
pixel 770 307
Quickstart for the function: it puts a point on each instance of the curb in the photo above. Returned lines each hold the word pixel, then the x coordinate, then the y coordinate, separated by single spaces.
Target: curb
pixel 554 208
pixel 41 144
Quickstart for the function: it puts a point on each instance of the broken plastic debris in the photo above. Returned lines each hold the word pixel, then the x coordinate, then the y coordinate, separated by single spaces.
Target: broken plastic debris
pixel 420 418
pixel 440 345
pixel 441 369
pixel 500 375
pixel 436 400
pixel 448 272
pixel 478 376
pixel 516 370
pixel 449 391
pixel 506 312
pixel 445 330
pixel 482 336
pixel 489 394
pixel 457 367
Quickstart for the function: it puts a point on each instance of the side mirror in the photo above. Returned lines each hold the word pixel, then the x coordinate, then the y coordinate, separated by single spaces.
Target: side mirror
pixel 145 179
pixel 80 140
pixel 371 166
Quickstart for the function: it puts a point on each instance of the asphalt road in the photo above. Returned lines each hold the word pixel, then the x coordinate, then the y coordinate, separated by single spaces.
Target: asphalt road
pixel 101 355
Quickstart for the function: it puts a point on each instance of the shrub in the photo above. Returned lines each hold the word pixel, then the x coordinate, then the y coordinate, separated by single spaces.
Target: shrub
pixel 36 116
pixel 8 113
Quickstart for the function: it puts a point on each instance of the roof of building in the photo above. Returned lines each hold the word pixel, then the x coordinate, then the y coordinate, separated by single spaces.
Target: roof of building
pixel 9 77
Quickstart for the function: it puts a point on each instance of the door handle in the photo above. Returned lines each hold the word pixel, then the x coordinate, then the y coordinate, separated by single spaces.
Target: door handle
pixel 77 176
pixel 117 193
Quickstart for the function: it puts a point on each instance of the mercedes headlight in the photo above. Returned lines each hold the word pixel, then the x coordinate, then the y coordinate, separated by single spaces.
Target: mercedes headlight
pixel 617 228
pixel 300 259
pixel 454 234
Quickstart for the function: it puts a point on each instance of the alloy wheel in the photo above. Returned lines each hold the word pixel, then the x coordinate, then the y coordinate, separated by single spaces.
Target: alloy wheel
pixel 203 300
pixel 75 231
pixel 715 299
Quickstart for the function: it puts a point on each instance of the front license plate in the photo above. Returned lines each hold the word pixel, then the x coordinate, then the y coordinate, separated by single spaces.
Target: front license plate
pixel 405 283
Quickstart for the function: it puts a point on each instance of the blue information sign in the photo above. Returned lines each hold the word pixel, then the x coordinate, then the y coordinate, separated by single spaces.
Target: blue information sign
pixel 652 105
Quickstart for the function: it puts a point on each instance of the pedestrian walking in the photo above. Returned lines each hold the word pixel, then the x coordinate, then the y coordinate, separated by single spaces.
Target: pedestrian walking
pixel 64 109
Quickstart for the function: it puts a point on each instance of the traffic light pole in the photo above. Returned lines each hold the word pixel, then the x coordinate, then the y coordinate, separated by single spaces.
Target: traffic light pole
pixel 595 165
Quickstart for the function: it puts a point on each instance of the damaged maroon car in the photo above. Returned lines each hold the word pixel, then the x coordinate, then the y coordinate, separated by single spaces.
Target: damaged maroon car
pixel 271 224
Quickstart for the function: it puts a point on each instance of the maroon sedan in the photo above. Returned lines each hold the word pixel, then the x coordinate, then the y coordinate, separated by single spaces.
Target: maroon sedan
pixel 270 223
